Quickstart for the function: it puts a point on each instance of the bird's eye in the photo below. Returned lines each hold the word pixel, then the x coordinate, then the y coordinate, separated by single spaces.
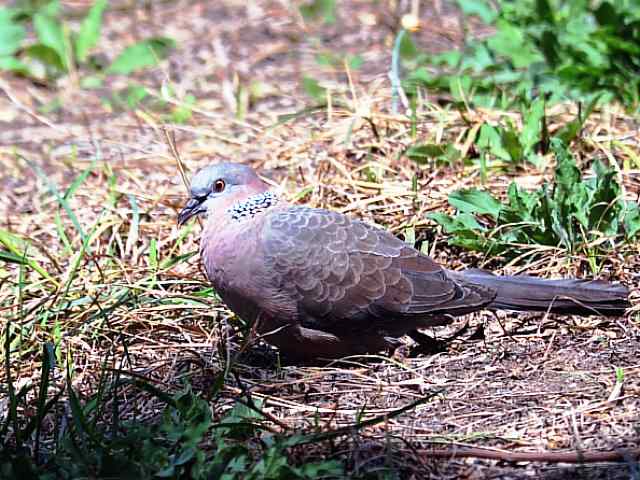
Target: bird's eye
pixel 218 186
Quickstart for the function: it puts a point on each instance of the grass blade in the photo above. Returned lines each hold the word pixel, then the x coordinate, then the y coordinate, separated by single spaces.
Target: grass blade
pixel 15 254
pixel 60 198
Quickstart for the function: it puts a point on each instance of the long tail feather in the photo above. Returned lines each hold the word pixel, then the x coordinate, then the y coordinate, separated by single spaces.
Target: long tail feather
pixel 568 296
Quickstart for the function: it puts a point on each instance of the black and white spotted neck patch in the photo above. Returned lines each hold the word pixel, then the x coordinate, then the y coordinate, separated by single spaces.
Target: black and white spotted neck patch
pixel 253 205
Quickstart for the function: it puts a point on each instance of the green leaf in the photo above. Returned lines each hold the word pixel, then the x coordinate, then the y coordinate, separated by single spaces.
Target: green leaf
pixel 141 55
pixel 550 48
pixel 90 30
pixel 53 189
pixel 420 76
pixel 91 81
pixel 319 8
pixel 449 59
pixel 460 87
pixel 479 58
pixel 408 49
pixel 9 257
pixel 16 247
pixel 13 65
pixel 241 420
pixel 421 153
pixel 510 140
pixel 185 456
pixel 510 41
pixel 50 33
pixel 605 207
pixel 567 173
pixel 479 8
pixel 569 131
pixel 11 33
pixel 475 201
pixel 459 223
pixel 489 140
pixel 355 61
pixel 532 128
pixel 135 95
pixel 46 55
pixel 313 89
pixel 632 220
pixel 464 229
pixel 544 11
pixel 571 213
pixel 48 8
pixel 326 59
pixel 170 262
pixel 520 207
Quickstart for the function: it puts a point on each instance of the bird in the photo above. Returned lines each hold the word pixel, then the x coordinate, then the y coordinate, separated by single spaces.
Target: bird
pixel 318 284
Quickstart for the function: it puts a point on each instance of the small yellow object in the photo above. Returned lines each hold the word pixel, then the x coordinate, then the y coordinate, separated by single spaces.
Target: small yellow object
pixel 410 22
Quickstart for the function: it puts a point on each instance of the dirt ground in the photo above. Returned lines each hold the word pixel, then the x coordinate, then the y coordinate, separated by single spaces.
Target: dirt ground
pixel 522 383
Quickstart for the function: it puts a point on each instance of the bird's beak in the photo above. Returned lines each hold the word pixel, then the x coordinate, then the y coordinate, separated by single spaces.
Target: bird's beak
pixel 191 209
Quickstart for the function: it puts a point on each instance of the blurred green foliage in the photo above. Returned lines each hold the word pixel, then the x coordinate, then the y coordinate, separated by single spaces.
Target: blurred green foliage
pixel 540 52
pixel 504 142
pixel 559 49
pixel 324 10
pixel 55 49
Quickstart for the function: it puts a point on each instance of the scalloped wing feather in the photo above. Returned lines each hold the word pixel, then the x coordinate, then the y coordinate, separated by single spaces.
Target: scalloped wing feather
pixel 340 269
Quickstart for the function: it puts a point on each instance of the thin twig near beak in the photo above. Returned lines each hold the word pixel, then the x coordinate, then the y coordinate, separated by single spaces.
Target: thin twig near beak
pixel 171 142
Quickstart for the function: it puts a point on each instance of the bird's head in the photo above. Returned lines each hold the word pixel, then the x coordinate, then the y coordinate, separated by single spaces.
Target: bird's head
pixel 215 188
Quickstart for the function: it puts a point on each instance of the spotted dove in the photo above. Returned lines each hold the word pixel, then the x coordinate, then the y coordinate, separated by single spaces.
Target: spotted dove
pixel 320 284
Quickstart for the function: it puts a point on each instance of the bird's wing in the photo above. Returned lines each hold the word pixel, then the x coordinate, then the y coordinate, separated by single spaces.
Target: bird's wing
pixel 340 268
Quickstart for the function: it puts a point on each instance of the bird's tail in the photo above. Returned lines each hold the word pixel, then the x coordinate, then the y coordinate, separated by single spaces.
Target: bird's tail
pixel 568 296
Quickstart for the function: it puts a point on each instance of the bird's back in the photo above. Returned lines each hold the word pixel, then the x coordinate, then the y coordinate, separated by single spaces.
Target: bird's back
pixel 344 273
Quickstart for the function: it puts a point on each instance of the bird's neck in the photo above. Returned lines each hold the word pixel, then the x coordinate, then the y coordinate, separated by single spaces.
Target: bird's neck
pixel 251 206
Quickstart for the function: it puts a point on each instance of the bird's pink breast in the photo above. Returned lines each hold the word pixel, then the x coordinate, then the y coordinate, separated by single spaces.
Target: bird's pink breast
pixel 230 250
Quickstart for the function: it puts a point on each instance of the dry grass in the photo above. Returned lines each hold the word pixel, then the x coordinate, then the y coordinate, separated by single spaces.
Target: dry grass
pixel 532 383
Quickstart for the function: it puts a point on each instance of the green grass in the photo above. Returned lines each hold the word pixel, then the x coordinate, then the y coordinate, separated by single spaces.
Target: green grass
pixel 587 217
pixel 118 356
pixel 558 49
